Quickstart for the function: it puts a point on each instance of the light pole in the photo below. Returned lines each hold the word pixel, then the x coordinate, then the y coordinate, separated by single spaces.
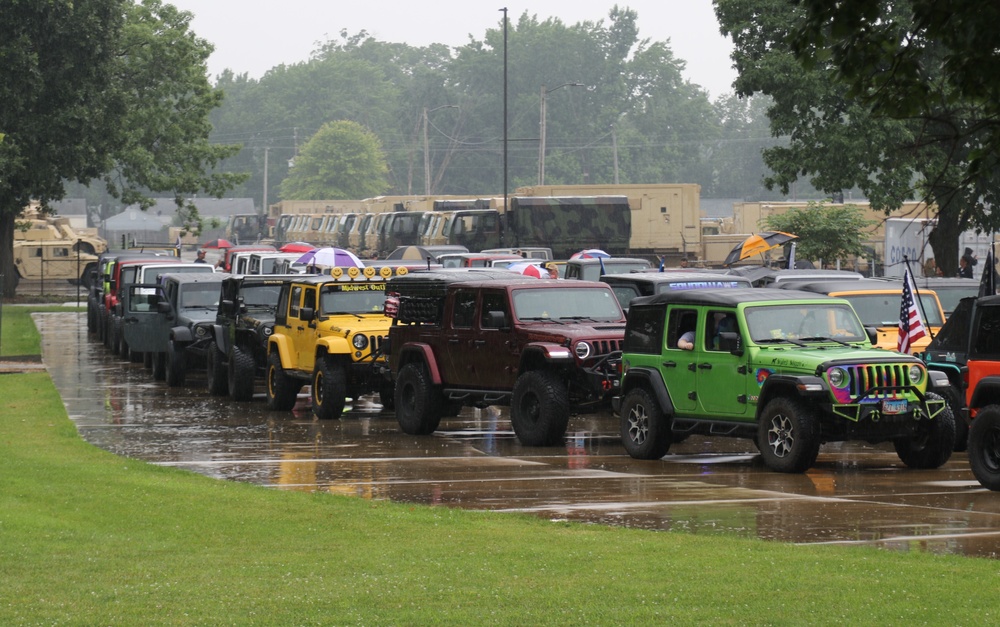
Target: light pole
pixel 427 150
pixel 541 129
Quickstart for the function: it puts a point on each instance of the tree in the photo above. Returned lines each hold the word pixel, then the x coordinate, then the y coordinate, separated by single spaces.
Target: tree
pixel 851 124
pixel 103 89
pixel 343 160
pixel 825 232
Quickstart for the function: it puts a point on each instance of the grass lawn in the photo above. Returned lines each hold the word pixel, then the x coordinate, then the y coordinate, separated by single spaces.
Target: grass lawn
pixel 87 537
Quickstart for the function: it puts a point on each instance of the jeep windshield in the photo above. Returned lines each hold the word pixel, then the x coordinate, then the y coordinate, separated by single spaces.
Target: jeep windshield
pixel 882 310
pixel 200 296
pixel 797 323
pixel 361 298
pixel 260 296
pixel 592 304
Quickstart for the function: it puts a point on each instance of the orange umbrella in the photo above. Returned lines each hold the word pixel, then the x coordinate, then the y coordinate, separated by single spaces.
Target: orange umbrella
pixel 758 244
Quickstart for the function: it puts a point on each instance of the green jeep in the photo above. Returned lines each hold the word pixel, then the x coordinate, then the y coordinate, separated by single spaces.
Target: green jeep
pixel 328 333
pixel 794 370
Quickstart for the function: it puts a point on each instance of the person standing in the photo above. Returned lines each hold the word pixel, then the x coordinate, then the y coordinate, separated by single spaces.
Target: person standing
pixel 966 263
pixel 201 257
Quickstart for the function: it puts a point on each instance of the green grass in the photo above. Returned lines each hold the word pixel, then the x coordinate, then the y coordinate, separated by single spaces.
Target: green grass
pixel 18 335
pixel 87 537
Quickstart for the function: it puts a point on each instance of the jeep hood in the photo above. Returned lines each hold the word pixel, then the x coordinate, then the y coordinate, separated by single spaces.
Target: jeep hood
pixel 815 357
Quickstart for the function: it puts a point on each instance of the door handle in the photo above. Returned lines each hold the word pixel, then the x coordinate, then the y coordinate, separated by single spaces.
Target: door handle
pixel 705 366
pixel 478 342
pixel 669 364
pixel 453 340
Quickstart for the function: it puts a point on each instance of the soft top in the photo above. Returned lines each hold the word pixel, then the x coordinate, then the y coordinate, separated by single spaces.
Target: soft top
pixel 859 285
pixel 725 298
pixel 672 277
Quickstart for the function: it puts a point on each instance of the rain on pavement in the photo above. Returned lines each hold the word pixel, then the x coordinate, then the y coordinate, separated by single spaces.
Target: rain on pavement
pixel 856 494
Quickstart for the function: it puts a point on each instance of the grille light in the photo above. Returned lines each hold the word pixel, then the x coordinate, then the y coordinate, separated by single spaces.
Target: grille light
pixel 582 350
pixel 838 377
pixel 916 374
pixel 360 341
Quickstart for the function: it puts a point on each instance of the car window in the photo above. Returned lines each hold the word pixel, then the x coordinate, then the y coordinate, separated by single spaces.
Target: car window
pixel 644 332
pixel 464 314
pixel 493 302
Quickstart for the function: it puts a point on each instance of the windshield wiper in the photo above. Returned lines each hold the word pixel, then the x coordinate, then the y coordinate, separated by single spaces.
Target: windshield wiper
pixel 587 318
pixel 822 338
pixel 778 340
pixel 539 319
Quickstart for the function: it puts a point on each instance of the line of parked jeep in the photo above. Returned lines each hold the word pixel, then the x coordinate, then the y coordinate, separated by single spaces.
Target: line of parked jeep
pixel 672 353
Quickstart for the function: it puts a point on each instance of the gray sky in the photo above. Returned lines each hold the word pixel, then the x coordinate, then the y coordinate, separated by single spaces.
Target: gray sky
pixel 252 36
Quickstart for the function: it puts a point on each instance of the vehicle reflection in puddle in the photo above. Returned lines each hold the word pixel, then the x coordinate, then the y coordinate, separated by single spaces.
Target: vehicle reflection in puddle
pixel 855 494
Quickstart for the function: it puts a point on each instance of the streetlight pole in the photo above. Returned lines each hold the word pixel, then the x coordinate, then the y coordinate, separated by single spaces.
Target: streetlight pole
pixel 541 128
pixel 427 150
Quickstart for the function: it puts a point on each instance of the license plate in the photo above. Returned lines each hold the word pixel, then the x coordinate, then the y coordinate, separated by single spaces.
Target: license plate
pixel 894 406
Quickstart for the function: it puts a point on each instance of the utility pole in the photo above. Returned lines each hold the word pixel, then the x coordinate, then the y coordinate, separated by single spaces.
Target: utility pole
pixel 614 147
pixel 541 125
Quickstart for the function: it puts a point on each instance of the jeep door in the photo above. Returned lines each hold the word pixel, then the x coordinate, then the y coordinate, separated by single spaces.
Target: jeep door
pixel 496 352
pixel 722 376
pixel 145 329
pixel 302 332
pixel 460 355
pixel 679 367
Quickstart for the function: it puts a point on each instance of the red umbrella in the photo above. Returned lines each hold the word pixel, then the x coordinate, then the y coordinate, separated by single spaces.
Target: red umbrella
pixel 297 247
pixel 217 243
pixel 528 268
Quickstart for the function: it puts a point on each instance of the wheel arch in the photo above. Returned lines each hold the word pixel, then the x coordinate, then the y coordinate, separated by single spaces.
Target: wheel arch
pixel 651 380
pixel 419 353
pixel 987 392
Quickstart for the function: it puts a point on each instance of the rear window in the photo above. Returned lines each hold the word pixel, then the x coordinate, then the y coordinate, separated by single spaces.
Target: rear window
pixel 644 331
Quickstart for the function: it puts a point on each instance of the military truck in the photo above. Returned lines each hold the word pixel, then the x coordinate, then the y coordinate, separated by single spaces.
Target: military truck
pixel 476 338
pixel 795 370
pixel 49 248
pixel 328 332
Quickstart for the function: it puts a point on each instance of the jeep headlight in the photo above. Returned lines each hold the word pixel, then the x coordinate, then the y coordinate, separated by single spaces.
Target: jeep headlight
pixel 360 342
pixel 916 374
pixel 838 377
pixel 267 331
pixel 582 350
pixel 200 331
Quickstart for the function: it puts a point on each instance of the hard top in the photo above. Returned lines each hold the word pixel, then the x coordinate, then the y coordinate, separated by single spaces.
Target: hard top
pixel 727 298
pixel 269 279
pixel 196 277
pixel 762 274
pixel 465 276
pixel 858 285
pixel 608 261
pixel 655 278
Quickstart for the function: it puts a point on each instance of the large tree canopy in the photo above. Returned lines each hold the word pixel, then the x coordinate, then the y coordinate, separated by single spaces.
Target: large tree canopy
pixel 875 95
pixel 105 89
pixel 342 161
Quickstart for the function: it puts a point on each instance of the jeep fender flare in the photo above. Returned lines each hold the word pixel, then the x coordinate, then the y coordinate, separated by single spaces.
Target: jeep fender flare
pixel 987 392
pixel 280 344
pixel 952 371
pixel 537 354
pixel 181 334
pixel 792 386
pixel 219 336
pixel 937 379
pixel 419 352
pixel 333 346
pixel 651 379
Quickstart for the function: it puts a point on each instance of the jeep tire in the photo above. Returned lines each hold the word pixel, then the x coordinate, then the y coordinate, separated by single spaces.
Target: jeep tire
pixel 175 364
pixel 956 404
pixel 241 371
pixel 539 408
pixel 158 363
pixel 418 403
pixel 984 447
pixel 282 389
pixel 215 369
pixel 645 430
pixel 329 388
pixel 932 446
pixel 788 435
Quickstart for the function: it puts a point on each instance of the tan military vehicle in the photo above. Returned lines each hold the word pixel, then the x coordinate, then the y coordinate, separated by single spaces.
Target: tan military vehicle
pixel 49 248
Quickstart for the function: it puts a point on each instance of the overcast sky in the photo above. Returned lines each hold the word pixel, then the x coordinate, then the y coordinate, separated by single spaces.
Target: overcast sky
pixel 252 36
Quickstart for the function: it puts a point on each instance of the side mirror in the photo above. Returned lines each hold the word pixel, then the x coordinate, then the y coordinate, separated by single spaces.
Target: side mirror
pixel 307 314
pixel 872 334
pixel 163 307
pixel 730 342
pixel 496 320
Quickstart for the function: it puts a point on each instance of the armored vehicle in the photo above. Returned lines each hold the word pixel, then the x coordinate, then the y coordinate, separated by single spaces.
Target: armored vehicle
pixel 790 370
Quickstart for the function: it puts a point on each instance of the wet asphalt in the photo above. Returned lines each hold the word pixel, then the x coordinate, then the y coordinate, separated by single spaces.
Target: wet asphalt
pixel 856 494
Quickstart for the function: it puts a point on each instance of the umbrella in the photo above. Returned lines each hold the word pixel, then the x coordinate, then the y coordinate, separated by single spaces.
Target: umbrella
pixel 331 257
pixel 528 268
pixel 297 247
pixel 217 243
pixel 411 253
pixel 758 244
pixel 590 253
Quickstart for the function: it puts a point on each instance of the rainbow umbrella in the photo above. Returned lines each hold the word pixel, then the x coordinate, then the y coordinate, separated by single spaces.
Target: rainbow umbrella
pixel 528 268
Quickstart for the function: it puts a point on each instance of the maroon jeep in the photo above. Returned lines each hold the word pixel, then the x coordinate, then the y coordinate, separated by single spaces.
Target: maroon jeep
pixel 547 348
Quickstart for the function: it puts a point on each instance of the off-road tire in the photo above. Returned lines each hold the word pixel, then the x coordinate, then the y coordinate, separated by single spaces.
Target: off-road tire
pixel 645 429
pixel 241 372
pixel 539 408
pixel 175 364
pixel 418 403
pixel 282 390
pixel 932 447
pixel 788 435
pixel 984 447
pixel 329 388
pixel 215 369
pixel 956 403
pixel 158 364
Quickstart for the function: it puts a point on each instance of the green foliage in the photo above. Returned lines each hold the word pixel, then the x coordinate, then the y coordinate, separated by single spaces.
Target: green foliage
pixel 826 232
pixel 343 160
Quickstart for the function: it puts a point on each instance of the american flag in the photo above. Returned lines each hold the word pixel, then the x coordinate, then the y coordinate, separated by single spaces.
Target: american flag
pixel 911 325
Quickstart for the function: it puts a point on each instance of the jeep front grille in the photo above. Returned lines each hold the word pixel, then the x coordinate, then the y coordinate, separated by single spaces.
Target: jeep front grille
pixel 603 347
pixel 887 379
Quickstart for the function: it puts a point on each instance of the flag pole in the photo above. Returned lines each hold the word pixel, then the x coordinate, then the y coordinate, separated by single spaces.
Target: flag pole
pixel 916 294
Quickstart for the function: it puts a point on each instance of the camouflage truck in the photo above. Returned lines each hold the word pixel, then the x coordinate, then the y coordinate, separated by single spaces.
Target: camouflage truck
pixel 567 224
